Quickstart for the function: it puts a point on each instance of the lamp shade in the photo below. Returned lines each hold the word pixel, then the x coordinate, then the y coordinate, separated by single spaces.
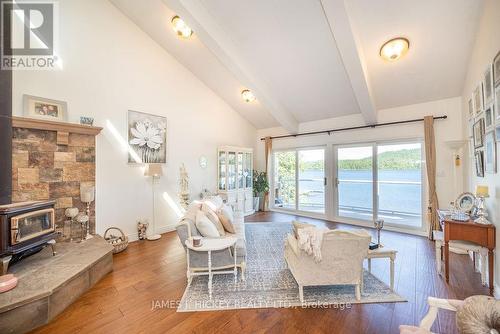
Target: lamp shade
pixel 153 170
pixel 87 194
pixel 482 191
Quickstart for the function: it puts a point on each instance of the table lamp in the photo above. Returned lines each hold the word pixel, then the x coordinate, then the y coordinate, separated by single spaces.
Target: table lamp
pixel 481 194
pixel 155 172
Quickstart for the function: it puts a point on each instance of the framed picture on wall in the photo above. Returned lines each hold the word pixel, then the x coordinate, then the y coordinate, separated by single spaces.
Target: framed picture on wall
pixel 478 99
pixel 147 138
pixel 489 118
pixel 43 108
pixel 471 108
pixel 471 128
pixel 490 153
pixel 496 69
pixel 479 163
pixel 497 133
pixel 488 85
pixel 497 101
pixel 478 132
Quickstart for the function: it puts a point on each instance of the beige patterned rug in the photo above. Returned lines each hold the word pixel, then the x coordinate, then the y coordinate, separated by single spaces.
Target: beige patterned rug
pixel 270 284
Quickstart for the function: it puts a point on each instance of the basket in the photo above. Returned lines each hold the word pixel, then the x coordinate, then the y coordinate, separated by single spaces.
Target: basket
pixel 119 243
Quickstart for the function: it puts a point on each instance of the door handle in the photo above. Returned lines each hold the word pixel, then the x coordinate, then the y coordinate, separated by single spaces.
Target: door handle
pixel 325 182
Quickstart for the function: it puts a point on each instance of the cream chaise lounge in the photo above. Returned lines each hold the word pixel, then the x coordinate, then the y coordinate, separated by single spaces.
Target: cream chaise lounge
pixel 342 255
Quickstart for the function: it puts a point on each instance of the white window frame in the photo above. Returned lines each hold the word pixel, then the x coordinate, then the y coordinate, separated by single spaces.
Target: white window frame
pixel 272 186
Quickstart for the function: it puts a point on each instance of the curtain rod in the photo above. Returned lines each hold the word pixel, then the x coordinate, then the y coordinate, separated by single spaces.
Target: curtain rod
pixel 329 132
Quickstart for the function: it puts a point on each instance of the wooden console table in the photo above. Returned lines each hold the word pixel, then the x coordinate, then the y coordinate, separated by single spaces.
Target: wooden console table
pixel 483 235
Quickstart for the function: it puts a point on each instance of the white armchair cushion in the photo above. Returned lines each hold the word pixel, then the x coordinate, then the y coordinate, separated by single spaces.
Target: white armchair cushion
pixel 205 226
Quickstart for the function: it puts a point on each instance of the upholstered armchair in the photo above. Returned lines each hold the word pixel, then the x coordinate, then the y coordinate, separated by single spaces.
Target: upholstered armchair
pixel 342 254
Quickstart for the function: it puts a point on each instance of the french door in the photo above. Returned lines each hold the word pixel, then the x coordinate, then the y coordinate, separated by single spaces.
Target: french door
pixel 380 180
pixel 299 180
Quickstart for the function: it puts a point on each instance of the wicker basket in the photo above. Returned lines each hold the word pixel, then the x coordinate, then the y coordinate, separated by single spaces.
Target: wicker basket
pixel 119 243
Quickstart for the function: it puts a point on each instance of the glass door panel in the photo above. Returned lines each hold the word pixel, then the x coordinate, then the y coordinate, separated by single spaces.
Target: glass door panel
pixel 222 170
pixel 284 179
pixel 248 170
pixel 312 180
pixel 231 170
pixel 355 182
pixel 240 171
pixel 400 184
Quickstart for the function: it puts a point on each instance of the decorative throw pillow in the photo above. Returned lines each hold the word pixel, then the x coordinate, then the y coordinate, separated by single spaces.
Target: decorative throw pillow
pixel 225 214
pixel 191 211
pixel 215 201
pixel 213 218
pixel 297 225
pixel 205 226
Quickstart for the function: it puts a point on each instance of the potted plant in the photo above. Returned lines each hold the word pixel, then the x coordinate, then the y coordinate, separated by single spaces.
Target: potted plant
pixel 260 187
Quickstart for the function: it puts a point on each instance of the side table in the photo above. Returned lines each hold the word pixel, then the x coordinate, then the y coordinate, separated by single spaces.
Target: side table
pixel 381 253
pixel 209 246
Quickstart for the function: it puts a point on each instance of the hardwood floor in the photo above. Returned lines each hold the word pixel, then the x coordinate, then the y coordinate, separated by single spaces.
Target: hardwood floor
pixel 155 271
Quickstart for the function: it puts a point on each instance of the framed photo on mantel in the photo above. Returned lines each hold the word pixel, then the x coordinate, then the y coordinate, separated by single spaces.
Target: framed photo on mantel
pixel 43 108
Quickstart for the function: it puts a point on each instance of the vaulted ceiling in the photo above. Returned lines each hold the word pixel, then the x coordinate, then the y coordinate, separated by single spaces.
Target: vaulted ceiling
pixel 308 60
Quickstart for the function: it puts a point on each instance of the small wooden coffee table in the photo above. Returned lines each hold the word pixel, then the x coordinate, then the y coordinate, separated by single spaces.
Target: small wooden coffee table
pixel 209 246
pixel 382 253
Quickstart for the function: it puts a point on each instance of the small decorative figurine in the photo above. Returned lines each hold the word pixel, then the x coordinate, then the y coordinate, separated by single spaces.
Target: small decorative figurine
pixel 142 226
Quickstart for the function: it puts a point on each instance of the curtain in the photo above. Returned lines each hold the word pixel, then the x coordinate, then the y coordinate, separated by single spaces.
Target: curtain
pixel 430 157
pixel 268 147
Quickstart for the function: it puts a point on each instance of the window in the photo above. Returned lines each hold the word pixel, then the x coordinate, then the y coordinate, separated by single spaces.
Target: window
pixel 387 177
pixel 299 180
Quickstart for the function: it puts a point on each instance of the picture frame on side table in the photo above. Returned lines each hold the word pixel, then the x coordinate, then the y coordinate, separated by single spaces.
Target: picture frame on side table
pixel 478 99
pixel 488 85
pixel 496 69
pixel 490 150
pixel 489 118
pixel 478 133
pixel 479 163
pixel 43 108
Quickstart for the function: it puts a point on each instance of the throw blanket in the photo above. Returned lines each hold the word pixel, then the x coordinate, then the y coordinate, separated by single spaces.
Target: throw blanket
pixel 310 240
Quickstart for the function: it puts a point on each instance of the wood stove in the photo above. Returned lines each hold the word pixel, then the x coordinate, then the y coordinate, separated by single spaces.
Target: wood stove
pixel 25 228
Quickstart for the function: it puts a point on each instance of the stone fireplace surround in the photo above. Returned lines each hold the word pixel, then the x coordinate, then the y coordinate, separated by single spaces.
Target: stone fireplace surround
pixel 51 161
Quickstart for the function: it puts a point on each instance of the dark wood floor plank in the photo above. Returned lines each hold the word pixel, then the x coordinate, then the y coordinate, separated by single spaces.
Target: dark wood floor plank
pixel 155 271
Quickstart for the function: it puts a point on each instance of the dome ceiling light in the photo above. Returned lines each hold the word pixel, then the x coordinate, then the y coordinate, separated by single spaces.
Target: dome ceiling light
pixel 247 96
pixel 394 49
pixel 181 28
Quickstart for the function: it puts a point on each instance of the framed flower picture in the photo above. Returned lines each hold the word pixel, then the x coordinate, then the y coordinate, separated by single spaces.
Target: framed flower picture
pixel 147 138
pixel 488 85
pixel 478 132
pixel 478 99
pixel 490 153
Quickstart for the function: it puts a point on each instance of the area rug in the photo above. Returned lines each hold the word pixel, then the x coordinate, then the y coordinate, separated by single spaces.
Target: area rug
pixel 270 284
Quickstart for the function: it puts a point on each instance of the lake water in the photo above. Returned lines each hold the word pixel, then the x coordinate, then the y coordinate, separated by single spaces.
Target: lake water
pixel 402 198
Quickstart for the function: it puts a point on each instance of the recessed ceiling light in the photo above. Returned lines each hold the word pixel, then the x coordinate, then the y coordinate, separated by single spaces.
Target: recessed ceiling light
pixel 181 28
pixel 395 48
pixel 247 95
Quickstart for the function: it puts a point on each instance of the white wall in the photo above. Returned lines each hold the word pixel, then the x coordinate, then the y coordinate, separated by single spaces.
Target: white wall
pixel 445 130
pixel 486 47
pixel 110 66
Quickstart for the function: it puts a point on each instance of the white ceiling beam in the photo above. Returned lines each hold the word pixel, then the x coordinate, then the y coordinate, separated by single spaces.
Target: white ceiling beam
pixel 350 50
pixel 210 33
